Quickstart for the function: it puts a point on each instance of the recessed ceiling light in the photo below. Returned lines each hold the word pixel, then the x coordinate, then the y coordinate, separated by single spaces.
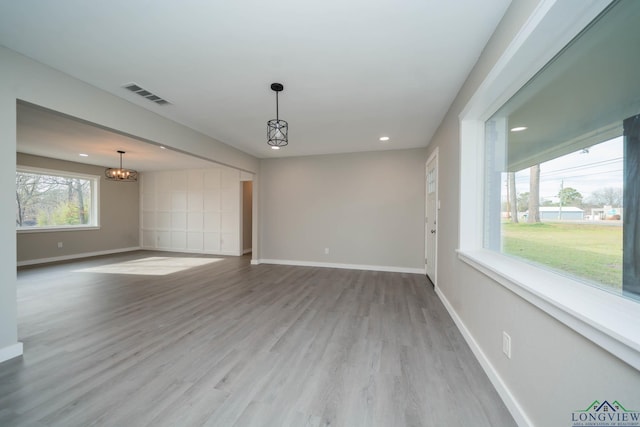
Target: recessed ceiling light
pixel 518 129
pixel 163 147
pixel 84 155
pixel 384 138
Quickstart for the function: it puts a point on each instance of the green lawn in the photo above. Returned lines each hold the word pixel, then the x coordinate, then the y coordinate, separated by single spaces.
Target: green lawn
pixel 591 251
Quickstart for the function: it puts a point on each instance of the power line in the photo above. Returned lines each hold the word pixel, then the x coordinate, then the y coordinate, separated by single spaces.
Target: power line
pixel 600 173
pixel 581 167
pixel 546 178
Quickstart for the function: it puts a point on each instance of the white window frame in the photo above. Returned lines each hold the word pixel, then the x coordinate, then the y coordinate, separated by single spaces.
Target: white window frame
pixel 608 320
pixel 95 200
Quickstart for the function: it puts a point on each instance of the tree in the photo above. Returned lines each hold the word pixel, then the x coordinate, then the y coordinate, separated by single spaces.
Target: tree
pixel 513 198
pixel 75 200
pixel 570 197
pixel 26 192
pixel 534 194
pixel 523 201
pixel 608 196
pixel 43 200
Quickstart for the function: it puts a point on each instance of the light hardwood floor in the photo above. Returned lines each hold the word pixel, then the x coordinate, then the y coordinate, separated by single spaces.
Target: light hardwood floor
pixel 230 344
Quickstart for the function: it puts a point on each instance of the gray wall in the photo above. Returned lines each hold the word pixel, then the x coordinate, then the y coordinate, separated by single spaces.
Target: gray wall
pixel 119 228
pixel 553 370
pixel 9 346
pixel 366 208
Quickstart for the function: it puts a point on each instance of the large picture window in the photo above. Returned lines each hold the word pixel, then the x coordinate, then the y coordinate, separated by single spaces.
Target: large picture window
pixel 562 157
pixel 53 200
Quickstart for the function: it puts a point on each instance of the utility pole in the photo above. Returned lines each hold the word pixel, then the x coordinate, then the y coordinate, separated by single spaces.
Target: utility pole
pixel 561 197
pixel 513 196
pixel 534 194
pixel 508 197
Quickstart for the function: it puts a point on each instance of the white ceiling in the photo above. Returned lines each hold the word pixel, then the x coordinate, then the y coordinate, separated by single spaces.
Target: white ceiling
pixel 45 133
pixel 352 70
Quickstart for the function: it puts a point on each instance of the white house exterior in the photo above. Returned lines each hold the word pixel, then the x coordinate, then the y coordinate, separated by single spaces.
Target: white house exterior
pixel 564 213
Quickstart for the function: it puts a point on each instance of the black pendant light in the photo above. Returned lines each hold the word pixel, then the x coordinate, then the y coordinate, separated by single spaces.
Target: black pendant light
pixel 121 174
pixel 277 130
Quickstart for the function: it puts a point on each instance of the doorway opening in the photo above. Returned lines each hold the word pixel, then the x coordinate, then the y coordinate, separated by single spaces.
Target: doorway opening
pixel 247 217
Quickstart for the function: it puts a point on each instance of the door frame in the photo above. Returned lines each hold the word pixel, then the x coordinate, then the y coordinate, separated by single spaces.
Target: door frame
pixel 433 157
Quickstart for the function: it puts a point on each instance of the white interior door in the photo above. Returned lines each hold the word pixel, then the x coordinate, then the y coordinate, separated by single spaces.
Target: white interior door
pixel 431 217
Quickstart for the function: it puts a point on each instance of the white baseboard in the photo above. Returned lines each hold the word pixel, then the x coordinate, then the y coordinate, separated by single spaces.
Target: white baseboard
pixel 192 251
pixel 11 351
pixel 75 256
pixel 345 266
pixel 507 397
pixel 255 262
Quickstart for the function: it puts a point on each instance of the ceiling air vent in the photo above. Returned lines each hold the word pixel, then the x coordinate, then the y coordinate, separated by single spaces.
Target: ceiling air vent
pixel 145 93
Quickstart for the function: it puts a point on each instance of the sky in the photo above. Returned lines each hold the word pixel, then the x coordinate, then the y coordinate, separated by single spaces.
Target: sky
pixel 598 168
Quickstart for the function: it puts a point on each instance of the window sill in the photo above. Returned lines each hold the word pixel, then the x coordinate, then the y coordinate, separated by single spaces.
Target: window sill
pixel 56 229
pixel 609 320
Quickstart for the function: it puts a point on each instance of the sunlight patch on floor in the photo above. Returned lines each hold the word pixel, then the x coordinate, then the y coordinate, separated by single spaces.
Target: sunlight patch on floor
pixel 152 266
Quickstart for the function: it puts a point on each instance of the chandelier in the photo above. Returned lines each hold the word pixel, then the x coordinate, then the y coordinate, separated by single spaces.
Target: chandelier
pixel 121 174
pixel 277 130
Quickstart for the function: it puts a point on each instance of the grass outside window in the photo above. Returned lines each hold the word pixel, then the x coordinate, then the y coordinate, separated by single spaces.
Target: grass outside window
pixel 591 252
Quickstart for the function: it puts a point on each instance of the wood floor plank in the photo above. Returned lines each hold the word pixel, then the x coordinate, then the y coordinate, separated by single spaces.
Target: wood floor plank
pixel 231 344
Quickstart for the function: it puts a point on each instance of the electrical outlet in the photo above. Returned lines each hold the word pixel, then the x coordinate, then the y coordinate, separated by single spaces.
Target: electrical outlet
pixel 506 344
pixel 326 251
pixel 59 245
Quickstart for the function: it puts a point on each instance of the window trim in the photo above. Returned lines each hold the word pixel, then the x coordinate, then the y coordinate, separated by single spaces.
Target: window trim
pixel 95 200
pixel 606 319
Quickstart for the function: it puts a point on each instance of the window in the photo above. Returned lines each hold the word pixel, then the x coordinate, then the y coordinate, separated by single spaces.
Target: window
pixel 54 200
pixel 555 45
pixel 576 225
pixel 561 186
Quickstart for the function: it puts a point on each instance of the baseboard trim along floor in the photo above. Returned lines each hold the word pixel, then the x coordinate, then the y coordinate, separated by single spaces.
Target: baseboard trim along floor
pixel 390 269
pixel 11 351
pixel 507 397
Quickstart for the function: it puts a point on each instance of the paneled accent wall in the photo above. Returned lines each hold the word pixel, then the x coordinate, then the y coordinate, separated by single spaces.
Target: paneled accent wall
pixel 195 210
